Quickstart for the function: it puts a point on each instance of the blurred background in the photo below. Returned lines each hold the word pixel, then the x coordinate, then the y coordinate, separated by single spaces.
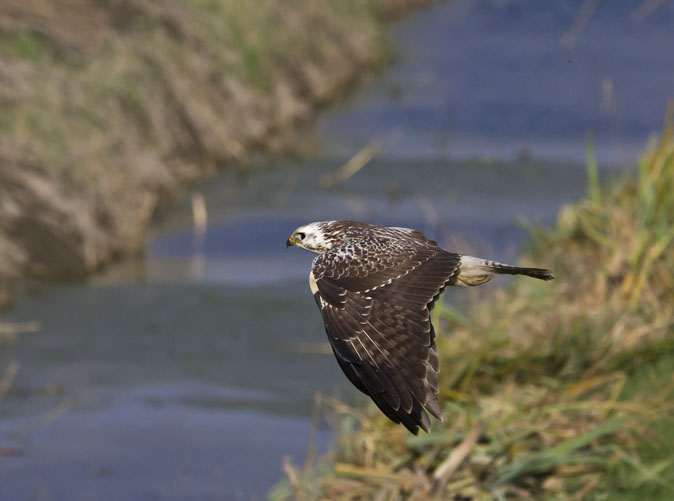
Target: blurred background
pixel 158 341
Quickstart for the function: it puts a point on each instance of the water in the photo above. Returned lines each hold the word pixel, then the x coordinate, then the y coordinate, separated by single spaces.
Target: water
pixel 192 373
pixel 499 78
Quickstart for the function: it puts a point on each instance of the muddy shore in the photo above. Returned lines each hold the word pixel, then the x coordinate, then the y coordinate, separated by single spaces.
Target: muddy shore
pixel 111 108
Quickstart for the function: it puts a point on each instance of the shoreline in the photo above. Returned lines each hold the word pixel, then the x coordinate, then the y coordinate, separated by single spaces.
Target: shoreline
pixel 112 112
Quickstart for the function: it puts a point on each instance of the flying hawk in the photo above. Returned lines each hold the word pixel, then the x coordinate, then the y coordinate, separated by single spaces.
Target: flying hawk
pixel 375 287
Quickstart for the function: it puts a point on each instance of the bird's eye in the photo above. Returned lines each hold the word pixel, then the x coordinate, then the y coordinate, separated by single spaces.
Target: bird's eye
pixel 300 235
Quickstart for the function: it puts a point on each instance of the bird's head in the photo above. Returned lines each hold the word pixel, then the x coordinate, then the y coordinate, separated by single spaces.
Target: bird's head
pixel 315 237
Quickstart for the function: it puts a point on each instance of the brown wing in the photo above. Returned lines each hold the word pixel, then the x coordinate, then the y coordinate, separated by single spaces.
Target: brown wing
pixel 375 296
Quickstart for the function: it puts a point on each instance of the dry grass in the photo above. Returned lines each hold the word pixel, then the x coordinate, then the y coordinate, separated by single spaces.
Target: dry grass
pixel 550 391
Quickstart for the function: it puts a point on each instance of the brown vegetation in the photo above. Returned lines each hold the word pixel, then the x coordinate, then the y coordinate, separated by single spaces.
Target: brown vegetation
pixel 108 107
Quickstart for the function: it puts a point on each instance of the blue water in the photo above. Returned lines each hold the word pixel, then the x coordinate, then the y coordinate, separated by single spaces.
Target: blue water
pixel 502 78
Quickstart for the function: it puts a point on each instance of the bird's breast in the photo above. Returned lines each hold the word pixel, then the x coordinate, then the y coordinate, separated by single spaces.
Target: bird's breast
pixel 312 283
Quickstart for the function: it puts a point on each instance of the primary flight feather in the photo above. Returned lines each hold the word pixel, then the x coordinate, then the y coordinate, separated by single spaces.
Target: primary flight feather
pixel 375 287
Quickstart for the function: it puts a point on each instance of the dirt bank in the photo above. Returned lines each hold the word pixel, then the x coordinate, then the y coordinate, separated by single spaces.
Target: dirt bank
pixel 111 107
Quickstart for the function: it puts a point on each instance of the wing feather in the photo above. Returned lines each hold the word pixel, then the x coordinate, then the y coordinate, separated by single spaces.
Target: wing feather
pixel 375 298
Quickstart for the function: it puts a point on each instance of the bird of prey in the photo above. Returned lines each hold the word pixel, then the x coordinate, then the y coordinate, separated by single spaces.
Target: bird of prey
pixel 375 287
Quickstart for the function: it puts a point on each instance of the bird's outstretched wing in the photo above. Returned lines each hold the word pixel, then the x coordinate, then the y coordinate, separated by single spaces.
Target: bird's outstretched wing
pixel 375 296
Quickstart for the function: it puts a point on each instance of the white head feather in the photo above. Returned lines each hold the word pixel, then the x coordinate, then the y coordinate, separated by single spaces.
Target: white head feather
pixel 312 237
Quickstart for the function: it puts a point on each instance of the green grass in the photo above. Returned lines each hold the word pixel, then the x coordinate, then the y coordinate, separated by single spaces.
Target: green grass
pixel 561 390
pixel 30 47
pixel 653 477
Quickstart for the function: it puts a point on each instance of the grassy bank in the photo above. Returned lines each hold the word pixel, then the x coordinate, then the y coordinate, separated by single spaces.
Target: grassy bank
pixel 561 390
pixel 108 108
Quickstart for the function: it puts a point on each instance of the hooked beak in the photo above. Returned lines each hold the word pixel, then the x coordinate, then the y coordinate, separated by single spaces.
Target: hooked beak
pixel 291 241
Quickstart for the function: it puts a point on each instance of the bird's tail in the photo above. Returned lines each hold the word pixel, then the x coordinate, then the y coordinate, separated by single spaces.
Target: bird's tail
pixel 476 271
pixel 505 269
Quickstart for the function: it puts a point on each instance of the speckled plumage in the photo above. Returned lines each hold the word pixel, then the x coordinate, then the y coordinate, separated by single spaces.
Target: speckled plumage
pixel 375 287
